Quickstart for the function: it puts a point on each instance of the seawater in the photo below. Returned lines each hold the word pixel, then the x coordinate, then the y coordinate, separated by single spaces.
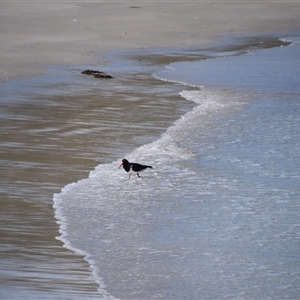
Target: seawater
pixel 218 216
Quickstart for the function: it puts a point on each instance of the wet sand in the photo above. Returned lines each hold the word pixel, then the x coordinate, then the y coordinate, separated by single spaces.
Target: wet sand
pixel 47 142
pixel 37 34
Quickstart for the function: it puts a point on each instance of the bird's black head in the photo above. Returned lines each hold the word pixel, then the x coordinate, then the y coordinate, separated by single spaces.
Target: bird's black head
pixel 126 164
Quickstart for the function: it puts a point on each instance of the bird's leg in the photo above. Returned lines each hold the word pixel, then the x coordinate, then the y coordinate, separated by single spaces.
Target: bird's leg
pixel 138 175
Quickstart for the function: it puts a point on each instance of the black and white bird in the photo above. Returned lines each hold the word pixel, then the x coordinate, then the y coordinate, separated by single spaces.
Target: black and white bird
pixel 132 168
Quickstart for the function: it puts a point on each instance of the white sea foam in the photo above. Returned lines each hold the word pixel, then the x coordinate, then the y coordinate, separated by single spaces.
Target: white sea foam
pixel 200 216
pixel 62 220
pixel 105 188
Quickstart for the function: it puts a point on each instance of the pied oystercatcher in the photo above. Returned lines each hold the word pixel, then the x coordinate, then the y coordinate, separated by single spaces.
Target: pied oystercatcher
pixel 133 167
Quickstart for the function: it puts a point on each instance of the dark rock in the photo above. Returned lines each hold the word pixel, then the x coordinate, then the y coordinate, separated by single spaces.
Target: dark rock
pixel 97 74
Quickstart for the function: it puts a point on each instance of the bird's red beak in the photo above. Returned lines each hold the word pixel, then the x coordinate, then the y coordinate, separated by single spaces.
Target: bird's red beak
pixel 121 165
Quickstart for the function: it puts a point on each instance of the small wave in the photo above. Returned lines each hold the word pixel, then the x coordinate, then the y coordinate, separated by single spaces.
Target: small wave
pixel 104 189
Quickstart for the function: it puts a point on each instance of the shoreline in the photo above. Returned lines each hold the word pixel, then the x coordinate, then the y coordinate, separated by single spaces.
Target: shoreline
pixel 65 138
pixel 18 65
pixel 58 215
pixel 36 35
pixel 112 279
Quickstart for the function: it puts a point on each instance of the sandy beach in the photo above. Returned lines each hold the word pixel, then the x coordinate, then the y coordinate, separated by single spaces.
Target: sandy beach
pixel 50 137
pixel 37 34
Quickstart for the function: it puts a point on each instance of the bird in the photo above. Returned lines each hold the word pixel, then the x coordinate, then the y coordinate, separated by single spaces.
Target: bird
pixel 133 167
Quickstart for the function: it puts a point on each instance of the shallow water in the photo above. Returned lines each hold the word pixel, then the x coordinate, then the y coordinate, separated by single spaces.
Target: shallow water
pixel 217 217
pixel 55 130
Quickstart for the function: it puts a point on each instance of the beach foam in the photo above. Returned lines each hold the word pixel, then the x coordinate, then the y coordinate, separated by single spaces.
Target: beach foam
pixel 204 211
